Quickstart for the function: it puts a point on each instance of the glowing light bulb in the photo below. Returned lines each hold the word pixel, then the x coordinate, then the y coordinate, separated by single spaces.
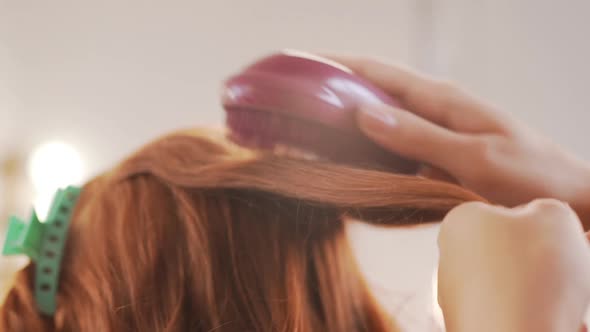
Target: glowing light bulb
pixel 53 165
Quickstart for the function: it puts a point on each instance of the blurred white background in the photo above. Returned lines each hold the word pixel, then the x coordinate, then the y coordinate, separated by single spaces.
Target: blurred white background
pixel 107 76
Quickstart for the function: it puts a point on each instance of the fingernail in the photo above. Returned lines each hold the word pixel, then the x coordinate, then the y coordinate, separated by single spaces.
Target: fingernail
pixel 381 113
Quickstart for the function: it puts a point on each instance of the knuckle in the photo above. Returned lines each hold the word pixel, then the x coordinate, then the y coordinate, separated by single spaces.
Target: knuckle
pixel 473 220
pixel 470 207
pixel 550 209
pixel 465 213
pixel 547 217
pixel 478 154
pixel 443 96
pixel 478 147
pixel 549 204
pixel 486 150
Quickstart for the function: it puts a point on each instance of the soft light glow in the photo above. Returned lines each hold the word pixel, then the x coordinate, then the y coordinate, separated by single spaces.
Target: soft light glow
pixel 53 165
pixel 42 205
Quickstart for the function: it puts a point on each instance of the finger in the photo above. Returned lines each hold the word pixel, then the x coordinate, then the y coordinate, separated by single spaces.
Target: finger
pixel 406 134
pixel 439 102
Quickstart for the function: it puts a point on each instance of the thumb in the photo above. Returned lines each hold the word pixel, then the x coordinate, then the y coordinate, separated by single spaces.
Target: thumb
pixel 413 137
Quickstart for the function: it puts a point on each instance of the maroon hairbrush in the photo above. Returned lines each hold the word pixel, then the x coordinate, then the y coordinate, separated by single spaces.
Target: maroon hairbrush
pixel 303 103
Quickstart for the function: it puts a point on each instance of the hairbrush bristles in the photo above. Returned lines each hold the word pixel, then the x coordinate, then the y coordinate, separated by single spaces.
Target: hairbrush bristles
pixel 304 107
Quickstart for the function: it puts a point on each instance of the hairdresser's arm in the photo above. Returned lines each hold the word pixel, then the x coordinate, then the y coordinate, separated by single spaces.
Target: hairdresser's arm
pixel 480 147
pixel 513 270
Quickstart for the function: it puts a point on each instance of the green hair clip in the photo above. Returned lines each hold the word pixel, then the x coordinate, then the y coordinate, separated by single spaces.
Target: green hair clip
pixel 44 243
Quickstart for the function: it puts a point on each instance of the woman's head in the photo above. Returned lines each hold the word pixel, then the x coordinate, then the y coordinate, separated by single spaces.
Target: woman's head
pixel 194 234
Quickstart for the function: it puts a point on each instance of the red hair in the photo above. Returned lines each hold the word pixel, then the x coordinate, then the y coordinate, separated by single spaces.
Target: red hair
pixel 194 234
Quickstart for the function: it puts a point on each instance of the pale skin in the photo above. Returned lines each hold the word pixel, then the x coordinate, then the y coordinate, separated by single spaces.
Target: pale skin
pixel 513 269
pixel 525 268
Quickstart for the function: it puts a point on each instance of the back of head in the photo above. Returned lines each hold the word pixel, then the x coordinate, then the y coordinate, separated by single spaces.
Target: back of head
pixel 194 234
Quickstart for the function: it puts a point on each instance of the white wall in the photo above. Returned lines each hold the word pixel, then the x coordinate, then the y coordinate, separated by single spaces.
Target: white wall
pixel 529 56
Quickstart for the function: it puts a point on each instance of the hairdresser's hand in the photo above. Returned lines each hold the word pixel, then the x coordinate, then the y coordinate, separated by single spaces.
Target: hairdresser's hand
pixel 522 269
pixel 479 147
